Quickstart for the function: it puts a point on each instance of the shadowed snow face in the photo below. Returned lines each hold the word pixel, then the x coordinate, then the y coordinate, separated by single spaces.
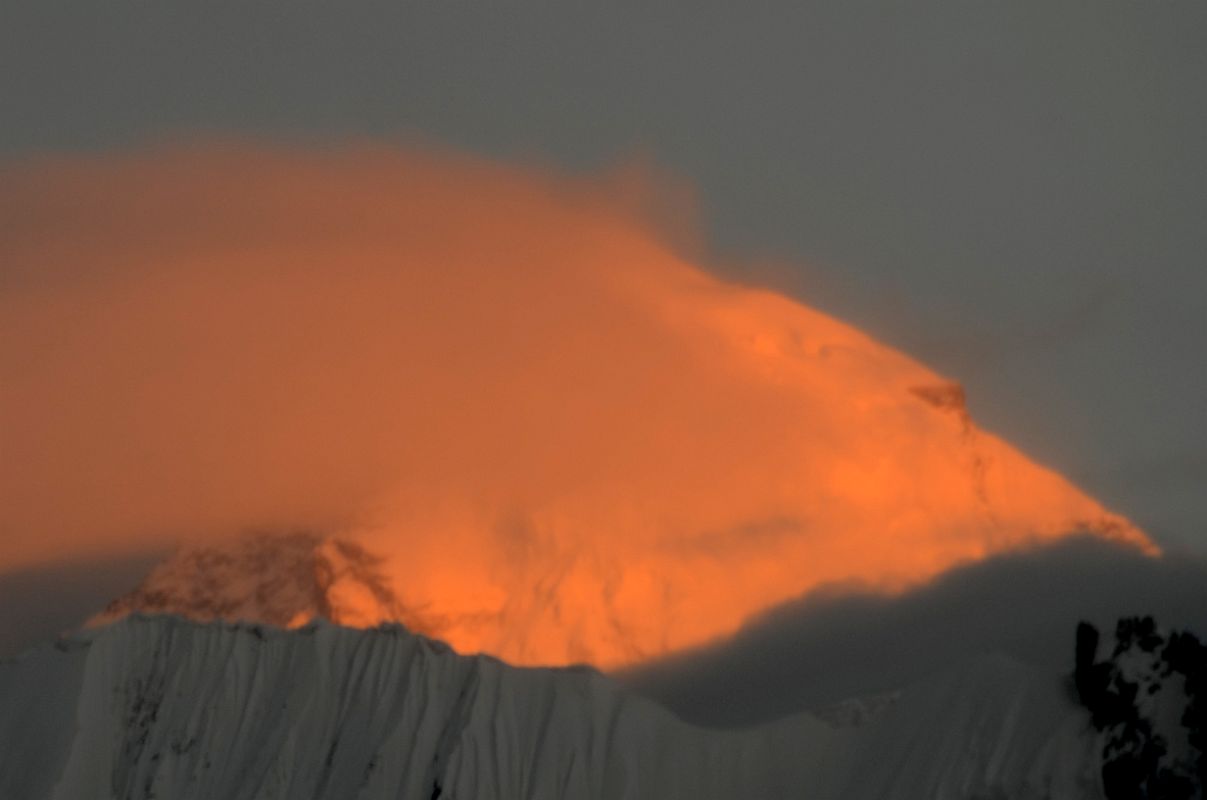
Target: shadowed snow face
pixel 814 651
pixel 571 443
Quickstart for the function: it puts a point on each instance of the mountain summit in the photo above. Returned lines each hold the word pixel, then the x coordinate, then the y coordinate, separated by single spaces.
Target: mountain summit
pixel 281 579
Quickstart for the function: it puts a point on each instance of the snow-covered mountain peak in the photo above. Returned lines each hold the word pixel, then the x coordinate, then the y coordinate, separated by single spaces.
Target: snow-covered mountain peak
pixel 281 579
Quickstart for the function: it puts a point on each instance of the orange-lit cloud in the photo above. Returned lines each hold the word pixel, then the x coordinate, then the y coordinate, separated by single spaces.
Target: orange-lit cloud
pixel 573 443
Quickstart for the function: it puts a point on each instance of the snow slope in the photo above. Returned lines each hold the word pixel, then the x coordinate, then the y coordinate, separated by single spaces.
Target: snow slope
pixel 160 707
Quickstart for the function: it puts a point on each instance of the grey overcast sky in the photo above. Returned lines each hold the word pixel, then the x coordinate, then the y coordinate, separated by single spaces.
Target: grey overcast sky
pixel 1015 193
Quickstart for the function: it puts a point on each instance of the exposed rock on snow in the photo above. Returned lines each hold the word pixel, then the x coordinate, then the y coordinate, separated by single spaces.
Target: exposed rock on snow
pixel 281 579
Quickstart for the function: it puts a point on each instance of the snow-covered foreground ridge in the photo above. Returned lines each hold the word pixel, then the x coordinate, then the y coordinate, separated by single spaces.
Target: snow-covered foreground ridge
pixel 159 707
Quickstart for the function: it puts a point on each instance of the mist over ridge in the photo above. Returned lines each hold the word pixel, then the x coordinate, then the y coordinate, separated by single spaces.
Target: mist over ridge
pixel 570 440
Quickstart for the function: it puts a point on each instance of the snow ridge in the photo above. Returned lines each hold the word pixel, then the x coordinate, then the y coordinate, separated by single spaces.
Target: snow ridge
pixel 163 708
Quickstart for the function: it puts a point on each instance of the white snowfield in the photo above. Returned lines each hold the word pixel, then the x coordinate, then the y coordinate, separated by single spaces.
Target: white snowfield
pixel 159 707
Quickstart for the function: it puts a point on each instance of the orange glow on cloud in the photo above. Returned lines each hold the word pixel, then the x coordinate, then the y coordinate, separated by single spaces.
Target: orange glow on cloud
pixel 572 443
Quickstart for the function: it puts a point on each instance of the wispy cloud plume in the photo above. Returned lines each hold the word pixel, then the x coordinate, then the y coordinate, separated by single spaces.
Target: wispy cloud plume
pixel 573 442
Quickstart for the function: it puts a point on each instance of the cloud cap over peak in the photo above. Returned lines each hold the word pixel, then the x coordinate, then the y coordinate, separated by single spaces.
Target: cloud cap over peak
pixel 573 442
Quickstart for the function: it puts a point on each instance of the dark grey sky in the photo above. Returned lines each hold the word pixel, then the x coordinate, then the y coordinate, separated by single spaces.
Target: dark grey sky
pixel 42 602
pixel 1013 192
